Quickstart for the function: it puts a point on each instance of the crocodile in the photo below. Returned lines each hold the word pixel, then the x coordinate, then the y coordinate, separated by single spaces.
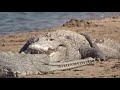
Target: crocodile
pixel 78 46
pixel 18 65
pixel 93 52
pixel 40 61
pixel 60 50
pixel 73 45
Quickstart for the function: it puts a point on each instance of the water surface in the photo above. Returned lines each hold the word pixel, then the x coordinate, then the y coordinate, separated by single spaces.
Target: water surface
pixel 12 22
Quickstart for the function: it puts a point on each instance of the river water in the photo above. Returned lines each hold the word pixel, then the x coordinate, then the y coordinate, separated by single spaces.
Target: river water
pixel 12 22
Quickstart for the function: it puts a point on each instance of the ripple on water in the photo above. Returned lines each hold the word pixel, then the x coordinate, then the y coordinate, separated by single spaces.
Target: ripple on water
pixel 26 21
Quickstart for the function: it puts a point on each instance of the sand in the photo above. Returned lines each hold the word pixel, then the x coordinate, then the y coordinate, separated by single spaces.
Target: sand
pixel 103 28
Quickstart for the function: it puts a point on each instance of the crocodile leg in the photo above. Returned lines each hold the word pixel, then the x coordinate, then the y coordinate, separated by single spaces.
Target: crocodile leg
pixel 93 52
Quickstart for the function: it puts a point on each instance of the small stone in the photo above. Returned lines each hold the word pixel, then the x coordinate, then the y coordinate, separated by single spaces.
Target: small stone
pixel 3 44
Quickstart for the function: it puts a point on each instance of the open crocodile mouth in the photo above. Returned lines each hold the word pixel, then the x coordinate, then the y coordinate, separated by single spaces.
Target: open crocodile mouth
pixel 34 51
pixel 47 51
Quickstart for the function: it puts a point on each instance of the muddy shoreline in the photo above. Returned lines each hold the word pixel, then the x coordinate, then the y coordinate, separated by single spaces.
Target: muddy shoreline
pixel 103 28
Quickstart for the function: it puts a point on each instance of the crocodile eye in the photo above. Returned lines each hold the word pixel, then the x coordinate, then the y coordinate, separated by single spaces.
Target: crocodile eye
pixel 99 40
pixel 51 39
pixel 68 37
pixel 62 45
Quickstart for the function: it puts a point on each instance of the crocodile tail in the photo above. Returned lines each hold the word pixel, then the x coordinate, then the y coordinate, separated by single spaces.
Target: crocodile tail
pixel 111 43
pixel 90 40
pixel 110 48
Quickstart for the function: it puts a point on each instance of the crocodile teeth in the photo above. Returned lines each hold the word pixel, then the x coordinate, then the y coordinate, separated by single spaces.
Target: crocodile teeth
pixel 36 72
pixel 78 63
pixel 38 52
pixel 64 66
pixel 82 63
pixel 23 74
pixel 30 72
pixel 18 74
pixel 67 64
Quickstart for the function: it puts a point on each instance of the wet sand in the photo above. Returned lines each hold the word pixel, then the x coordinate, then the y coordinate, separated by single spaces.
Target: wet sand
pixel 103 28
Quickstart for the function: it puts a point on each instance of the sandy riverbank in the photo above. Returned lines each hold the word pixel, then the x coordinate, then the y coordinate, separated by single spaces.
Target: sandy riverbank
pixel 108 27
